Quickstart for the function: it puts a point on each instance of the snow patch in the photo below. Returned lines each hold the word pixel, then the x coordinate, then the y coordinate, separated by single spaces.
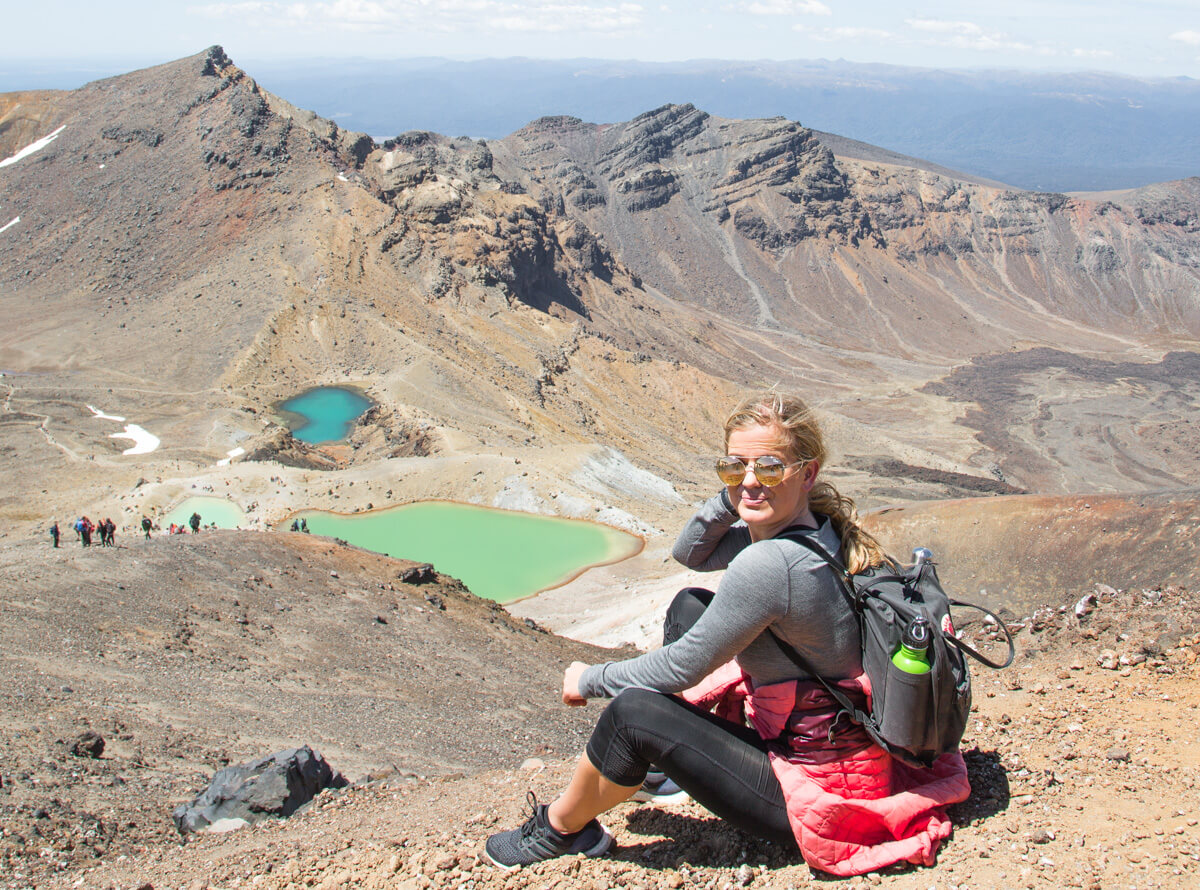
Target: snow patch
pixel 8 226
pixel 225 461
pixel 143 442
pixel 609 472
pixel 34 147
pixel 104 416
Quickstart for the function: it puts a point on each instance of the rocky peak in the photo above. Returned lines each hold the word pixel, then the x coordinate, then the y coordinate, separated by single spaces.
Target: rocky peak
pixel 213 62
pixel 554 124
pixel 651 137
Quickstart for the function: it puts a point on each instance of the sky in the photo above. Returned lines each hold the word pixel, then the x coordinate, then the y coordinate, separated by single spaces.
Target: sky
pixel 1156 38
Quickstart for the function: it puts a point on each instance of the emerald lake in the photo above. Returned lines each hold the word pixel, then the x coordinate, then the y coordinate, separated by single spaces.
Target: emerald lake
pixel 225 513
pixel 324 414
pixel 502 555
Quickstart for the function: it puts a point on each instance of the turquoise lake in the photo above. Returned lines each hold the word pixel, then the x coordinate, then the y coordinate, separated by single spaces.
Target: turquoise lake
pixel 225 513
pixel 324 414
pixel 502 555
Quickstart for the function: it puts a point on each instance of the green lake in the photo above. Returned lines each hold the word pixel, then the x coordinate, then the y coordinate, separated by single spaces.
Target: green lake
pixel 225 513
pixel 502 555
pixel 324 414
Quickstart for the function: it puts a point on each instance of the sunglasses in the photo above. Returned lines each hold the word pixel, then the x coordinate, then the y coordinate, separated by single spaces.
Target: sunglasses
pixel 768 470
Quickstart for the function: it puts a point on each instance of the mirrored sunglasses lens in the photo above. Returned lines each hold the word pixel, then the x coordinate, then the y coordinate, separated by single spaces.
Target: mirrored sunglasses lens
pixel 769 471
pixel 731 471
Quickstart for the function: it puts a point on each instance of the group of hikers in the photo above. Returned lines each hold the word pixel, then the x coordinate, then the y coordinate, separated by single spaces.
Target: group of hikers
pixel 178 528
pixel 85 528
pixel 107 529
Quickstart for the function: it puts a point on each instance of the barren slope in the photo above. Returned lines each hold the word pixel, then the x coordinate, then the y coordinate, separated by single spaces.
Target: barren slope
pixel 1082 776
pixel 187 653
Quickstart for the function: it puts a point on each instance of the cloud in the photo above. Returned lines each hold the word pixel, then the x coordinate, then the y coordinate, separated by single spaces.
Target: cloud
pixel 1080 53
pixel 831 35
pixel 940 26
pixel 783 7
pixel 551 17
pixel 447 16
pixel 1191 38
pixel 968 35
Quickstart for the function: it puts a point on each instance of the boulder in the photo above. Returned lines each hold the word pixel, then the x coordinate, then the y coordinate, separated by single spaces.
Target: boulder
pixel 89 744
pixel 419 574
pixel 274 786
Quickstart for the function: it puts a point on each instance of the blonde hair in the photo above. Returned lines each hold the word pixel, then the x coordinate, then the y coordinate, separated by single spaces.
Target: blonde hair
pixel 800 438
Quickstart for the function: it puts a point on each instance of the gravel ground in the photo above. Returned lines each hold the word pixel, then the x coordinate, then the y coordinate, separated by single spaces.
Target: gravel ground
pixel 1083 760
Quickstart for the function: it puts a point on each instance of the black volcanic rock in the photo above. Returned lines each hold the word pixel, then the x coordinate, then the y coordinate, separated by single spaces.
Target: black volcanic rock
pixel 274 786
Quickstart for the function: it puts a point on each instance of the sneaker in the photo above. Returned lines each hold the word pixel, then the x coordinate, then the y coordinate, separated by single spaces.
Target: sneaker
pixel 536 841
pixel 659 789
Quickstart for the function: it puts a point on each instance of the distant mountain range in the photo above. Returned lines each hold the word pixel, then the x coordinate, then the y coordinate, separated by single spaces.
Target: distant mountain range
pixel 1040 131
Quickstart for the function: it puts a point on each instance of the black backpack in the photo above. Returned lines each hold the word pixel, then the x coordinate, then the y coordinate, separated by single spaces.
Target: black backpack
pixel 914 717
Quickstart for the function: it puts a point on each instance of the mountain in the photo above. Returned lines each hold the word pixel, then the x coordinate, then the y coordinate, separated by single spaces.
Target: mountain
pixel 1061 131
pixel 203 248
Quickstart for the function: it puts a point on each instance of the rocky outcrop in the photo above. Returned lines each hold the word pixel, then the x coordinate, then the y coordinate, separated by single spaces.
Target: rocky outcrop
pixel 271 787
pixel 279 445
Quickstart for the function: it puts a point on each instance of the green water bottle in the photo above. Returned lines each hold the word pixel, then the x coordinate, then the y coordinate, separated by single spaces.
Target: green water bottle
pixel 913 655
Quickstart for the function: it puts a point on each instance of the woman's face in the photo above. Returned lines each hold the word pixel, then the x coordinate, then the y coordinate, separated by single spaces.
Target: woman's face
pixel 768 511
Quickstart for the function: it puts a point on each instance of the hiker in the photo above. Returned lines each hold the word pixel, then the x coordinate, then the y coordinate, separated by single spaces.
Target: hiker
pixel 110 532
pixel 146 526
pixel 304 526
pixel 194 522
pixel 85 531
pixel 800 774
pixel 54 533
pixel 295 525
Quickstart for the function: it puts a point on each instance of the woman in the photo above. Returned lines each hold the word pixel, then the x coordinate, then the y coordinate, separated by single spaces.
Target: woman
pixel 797 774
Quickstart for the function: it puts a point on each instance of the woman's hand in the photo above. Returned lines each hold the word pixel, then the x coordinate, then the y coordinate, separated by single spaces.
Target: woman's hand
pixel 570 692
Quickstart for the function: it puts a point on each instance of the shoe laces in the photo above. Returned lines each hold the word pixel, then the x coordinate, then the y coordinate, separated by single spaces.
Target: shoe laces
pixel 530 823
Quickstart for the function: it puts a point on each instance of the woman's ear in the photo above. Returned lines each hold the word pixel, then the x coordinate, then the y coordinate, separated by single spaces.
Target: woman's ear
pixel 810 474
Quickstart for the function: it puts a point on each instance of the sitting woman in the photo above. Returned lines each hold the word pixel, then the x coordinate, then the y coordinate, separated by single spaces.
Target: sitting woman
pixel 797 774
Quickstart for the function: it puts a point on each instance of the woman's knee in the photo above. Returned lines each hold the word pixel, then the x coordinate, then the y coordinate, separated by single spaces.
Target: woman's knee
pixel 685 610
pixel 632 703
pixel 617 742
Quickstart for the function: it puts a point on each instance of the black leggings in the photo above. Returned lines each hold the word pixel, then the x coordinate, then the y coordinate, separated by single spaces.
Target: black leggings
pixel 722 765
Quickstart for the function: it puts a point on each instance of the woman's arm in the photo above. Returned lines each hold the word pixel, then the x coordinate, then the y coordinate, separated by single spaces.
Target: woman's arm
pixel 753 594
pixel 710 541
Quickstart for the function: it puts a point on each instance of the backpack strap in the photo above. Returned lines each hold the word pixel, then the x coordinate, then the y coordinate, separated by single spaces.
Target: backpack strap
pixel 963 647
pixel 855 596
pixel 854 599
pixel 858 715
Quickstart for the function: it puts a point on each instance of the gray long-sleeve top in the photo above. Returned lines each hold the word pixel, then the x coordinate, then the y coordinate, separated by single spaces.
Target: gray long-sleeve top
pixel 777 584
